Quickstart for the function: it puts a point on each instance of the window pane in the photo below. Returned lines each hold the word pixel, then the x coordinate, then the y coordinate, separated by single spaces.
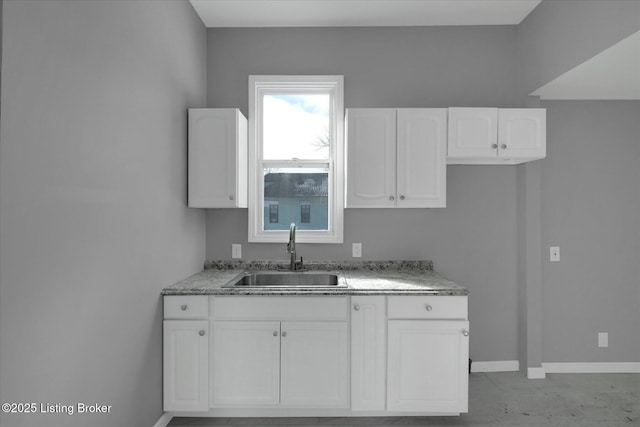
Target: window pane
pixel 301 197
pixel 296 126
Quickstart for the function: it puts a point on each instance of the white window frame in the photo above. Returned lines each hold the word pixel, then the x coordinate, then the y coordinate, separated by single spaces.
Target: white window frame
pixel 258 87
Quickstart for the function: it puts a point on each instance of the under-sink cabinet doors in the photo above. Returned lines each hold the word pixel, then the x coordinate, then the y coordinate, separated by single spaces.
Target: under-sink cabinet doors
pixel 291 364
pixel 396 157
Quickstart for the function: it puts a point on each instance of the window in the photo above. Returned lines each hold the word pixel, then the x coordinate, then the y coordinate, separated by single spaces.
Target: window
pixel 305 212
pixel 273 211
pixel 296 158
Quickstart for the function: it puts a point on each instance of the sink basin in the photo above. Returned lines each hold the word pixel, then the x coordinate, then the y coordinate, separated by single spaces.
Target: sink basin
pixel 279 279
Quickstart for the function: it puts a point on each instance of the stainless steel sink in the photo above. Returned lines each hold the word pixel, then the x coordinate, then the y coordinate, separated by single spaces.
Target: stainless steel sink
pixel 280 279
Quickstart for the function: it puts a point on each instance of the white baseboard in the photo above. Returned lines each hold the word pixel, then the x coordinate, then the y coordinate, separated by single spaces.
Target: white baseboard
pixel 536 373
pixel 164 420
pixel 495 366
pixel 592 368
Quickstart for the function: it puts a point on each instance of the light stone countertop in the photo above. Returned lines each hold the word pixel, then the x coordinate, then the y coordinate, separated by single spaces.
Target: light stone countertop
pixel 362 278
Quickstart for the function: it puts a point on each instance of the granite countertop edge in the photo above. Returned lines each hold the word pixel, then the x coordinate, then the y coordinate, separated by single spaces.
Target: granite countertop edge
pixel 362 277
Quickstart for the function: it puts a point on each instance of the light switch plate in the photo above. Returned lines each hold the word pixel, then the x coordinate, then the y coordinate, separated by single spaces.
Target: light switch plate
pixel 236 250
pixel 356 250
pixel 554 253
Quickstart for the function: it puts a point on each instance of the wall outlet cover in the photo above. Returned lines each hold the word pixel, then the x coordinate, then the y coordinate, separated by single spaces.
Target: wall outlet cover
pixel 554 253
pixel 603 339
pixel 236 250
pixel 356 250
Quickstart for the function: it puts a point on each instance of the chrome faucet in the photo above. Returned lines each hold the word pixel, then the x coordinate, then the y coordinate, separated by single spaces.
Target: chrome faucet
pixel 291 247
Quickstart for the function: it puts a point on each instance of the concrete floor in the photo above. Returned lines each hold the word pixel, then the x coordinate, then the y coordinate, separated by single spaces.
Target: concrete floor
pixel 503 399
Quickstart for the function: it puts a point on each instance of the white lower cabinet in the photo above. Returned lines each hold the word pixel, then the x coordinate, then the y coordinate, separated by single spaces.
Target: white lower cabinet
pixel 314 369
pixel 368 353
pixel 186 365
pixel 428 366
pixel 246 363
pixel 355 355
pixel 299 360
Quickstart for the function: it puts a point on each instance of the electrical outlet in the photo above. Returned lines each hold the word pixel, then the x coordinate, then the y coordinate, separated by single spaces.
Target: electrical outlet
pixel 603 339
pixel 554 253
pixel 236 250
pixel 356 250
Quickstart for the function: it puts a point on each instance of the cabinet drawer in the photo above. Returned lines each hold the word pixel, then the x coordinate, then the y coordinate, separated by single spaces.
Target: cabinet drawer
pixel 279 308
pixel 186 307
pixel 427 307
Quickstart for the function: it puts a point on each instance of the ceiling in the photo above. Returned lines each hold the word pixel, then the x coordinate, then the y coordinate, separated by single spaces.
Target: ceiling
pixel 360 13
pixel 614 73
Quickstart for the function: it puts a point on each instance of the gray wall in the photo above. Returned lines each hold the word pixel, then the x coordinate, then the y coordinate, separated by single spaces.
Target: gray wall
pixel 591 146
pixel 591 209
pixel 92 201
pixel 473 240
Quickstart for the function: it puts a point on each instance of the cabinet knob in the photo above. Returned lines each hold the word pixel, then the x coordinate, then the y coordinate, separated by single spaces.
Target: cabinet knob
pixel 275 333
pixel 356 307
pixel 428 307
pixel 201 333
pixel 284 334
pixel 231 197
pixel 392 198
pixel 183 307
pixel 401 197
pixel 494 145
pixel 465 333
pixel 503 146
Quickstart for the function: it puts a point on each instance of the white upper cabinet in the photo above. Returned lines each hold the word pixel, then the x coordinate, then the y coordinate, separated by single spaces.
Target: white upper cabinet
pixel 496 135
pixel 217 158
pixel 396 157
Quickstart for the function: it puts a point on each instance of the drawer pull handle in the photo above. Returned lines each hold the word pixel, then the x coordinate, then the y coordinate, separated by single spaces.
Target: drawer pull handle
pixel 183 307
pixel 465 333
pixel 356 307
pixel 275 333
pixel 284 334
pixel 201 333
pixel 428 307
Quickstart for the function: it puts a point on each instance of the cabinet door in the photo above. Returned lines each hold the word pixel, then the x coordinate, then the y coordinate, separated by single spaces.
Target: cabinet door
pixel 371 158
pixel 522 133
pixel 217 158
pixel 428 366
pixel 368 353
pixel 314 364
pixel 186 365
pixel 246 363
pixel 422 157
pixel 473 132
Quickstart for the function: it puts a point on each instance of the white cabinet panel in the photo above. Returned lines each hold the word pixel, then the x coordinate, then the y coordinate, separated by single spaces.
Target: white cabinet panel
pixel 473 132
pixel 371 157
pixel 314 364
pixel 428 366
pixel 246 363
pixel 186 365
pixel 396 157
pixel 522 133
pixel 217 158
pixel 496 136
pixel 368 353
pixel 422 157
